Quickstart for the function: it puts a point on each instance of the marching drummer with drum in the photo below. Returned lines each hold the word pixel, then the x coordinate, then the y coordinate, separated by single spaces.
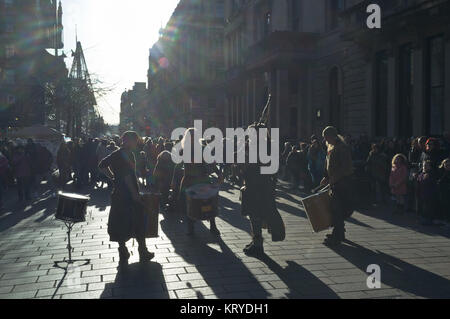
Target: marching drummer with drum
pixel 339 173
pixel 126 217
pixel 197 174
pixel 259 204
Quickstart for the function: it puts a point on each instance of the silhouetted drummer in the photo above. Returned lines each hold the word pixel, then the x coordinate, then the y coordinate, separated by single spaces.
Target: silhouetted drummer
pixel 338 174
pixel 195 174
pixel 259 204
pixel 126 217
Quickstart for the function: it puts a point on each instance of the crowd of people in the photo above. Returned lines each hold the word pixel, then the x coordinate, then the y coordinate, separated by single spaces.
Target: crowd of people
pixel 23 166
pixel 413 174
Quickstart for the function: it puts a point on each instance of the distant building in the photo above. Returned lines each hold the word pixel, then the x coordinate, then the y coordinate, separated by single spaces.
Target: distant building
pixel 27 29
pixel 133 110
pixel 186 67
pixel 323 66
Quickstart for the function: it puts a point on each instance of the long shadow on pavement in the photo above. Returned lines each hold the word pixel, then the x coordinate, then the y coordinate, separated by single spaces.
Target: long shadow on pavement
pixel 137 281
pixel 225 274
pixel 19 213
pixel 231 213
pixel 407 221
pixel 382 213
pixel 301 282
pixel 297 210
pixel 396 273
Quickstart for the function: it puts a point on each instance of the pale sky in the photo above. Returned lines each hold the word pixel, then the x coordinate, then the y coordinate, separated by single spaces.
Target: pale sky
pixel 116 36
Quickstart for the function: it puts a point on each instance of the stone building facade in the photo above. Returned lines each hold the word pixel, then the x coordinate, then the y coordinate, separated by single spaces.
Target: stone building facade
pixel 323 66
pixel 27 29
pixel 186 67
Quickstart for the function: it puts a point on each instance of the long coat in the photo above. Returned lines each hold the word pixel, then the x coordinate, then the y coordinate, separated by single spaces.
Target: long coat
pixel 258 200
pixel 126 219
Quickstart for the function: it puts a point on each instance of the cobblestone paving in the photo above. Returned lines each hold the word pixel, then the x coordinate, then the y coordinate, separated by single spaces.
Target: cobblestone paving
pixel 414 260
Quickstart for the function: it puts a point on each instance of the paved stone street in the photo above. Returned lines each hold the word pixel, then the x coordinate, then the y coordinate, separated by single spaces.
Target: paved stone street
pixel 414 260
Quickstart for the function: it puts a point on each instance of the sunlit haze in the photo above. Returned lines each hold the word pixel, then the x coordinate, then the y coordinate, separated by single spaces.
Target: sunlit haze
pixel 116 37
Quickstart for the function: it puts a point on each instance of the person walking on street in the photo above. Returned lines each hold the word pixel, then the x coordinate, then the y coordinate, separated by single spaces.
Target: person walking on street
pixel 339 175
pixel 23 172
pixel 126 217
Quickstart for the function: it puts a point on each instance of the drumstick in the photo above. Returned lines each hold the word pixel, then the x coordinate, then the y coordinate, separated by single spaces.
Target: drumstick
pixel 320 188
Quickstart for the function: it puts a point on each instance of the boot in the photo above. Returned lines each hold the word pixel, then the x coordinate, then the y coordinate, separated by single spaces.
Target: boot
pixel 213 229
pixel 255 248
pixel 335 239
pixel 190 228
pixel 145 255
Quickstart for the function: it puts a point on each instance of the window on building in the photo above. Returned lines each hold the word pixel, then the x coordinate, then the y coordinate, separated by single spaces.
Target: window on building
pixel 335 97
pixel 255 29
pixel 10 99
pixel 230 113
pixel 293 122
pixel 333 9
pixel 296 7
pixel 267 24
pixel 242 46
pixel 219 9
pixel 235 5
pixel 381 93
pixel 10 76
pixel 435 85
pixel 236 111
pixel 8 3
pixel 293 83
pixel 239 48
pixel 406 86
pixel 9 27
pixel 9 51
pixel 236 49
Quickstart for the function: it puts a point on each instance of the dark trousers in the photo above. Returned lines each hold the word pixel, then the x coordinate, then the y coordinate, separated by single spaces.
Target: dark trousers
pixel 256 224
pixel 295 177
pixel 23 187
pixel 342 203
pixel 380 192
pixel 338 217
pixel 307 180
pixel 141 243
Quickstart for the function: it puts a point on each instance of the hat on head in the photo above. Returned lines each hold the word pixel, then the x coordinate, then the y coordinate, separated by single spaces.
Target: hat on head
pixel 330 131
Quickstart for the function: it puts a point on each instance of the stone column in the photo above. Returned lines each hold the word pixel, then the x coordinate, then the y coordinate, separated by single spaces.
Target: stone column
pixel 247 101
pixel 370 101
pixel 418 89
pixel 254 99
pixel 392 93
pixel 244 109
pixel 278 102
pixel 447 82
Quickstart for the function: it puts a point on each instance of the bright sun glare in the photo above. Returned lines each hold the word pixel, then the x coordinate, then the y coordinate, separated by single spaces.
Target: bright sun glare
pixel 116 38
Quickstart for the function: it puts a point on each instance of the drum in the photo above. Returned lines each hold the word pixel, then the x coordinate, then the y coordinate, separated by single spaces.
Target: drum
pixel 202 201
pixel 71 207
pixel 151 212
pixel 318 210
